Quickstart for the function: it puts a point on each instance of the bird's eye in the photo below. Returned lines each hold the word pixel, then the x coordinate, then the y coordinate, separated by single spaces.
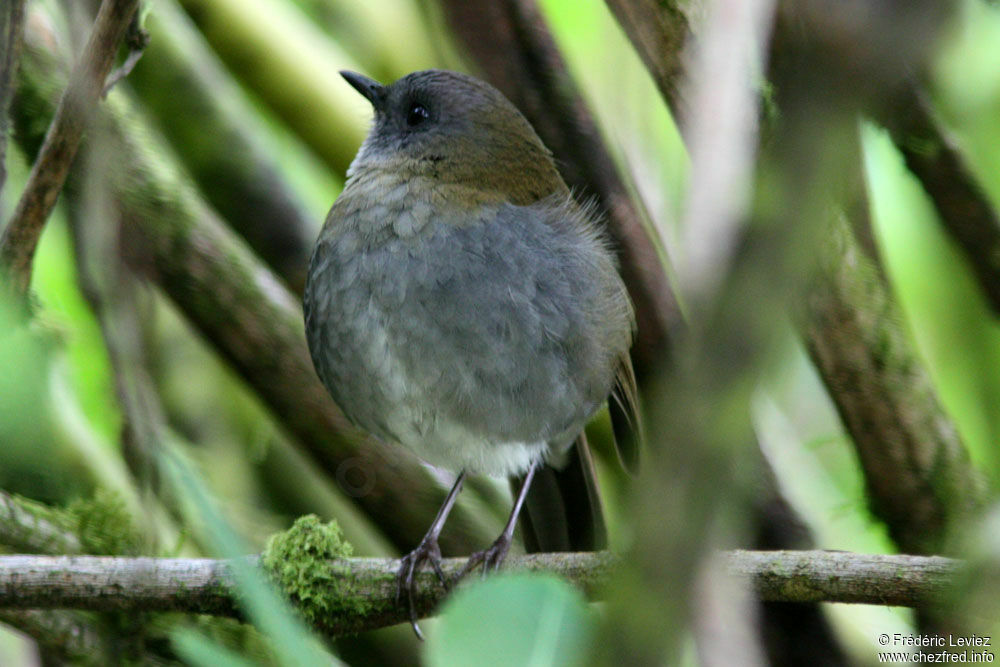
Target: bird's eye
pixel 417 114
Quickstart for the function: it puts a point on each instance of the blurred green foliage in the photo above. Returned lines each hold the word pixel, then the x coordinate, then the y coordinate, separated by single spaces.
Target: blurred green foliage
pixel 24 358
pixel 520 619
pixel 291 643
pixel 231 436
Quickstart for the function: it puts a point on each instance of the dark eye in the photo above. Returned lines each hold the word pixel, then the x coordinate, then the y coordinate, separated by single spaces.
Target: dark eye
pixel 417 114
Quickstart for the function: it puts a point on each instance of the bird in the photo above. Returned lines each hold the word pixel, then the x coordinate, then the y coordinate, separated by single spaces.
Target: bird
pixel 461 303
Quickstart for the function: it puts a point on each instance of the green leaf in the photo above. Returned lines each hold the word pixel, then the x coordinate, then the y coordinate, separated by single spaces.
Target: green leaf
pixel 196 649
pixel 521 619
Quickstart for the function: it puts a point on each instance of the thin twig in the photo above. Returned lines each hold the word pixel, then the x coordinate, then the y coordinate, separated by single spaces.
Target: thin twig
pixel 136 38
pixel 112 293
pixel 76 108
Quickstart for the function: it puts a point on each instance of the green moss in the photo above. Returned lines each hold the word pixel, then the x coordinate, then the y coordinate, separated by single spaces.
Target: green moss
pixel 303 561
pixel 104 525
pixel 101 523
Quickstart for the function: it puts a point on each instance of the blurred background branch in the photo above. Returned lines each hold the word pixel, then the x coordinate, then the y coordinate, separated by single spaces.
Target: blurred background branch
pixel 919 477
pixel 217 134
pixel 26 528
pixel 60 636
pixel 805 61
pixel 11 36
pixel 72 116
pixel 965 211
pixel 660 32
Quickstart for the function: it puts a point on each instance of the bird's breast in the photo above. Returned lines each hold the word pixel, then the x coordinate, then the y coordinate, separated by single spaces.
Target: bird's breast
pixel 469 333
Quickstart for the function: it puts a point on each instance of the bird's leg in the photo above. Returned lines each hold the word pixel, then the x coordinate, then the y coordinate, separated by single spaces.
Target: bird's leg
pixel 428 550
pixel 493 557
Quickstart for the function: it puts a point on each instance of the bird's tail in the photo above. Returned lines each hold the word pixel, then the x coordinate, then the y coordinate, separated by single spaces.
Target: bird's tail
pixel 563 510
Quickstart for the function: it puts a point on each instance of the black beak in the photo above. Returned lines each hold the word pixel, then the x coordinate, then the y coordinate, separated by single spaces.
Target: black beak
pixel 372 90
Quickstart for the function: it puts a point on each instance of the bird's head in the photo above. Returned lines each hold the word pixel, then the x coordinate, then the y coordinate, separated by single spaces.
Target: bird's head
pixel 454 128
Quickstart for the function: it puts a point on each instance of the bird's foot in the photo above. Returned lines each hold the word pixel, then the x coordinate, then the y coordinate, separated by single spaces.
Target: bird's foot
pixel 426 552
pixel 490 558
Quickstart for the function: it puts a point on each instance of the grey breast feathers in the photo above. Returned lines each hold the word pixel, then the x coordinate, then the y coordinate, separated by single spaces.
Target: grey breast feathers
pixel 510 324
pixel 514 323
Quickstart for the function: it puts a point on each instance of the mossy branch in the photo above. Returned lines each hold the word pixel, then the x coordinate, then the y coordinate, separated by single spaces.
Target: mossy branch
pixel 361 592
pixel 919 477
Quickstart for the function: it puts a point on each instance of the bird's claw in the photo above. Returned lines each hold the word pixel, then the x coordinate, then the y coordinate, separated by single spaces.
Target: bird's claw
pixel 427 551
pixel 491 558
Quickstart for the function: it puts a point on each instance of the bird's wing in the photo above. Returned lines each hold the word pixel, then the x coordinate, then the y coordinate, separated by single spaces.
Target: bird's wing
pixel 626 422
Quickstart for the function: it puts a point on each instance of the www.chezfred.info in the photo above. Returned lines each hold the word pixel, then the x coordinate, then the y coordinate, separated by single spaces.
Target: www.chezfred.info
pixel 954 648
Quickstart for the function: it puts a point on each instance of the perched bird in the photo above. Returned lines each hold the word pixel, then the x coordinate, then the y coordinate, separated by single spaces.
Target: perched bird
pixel 461 303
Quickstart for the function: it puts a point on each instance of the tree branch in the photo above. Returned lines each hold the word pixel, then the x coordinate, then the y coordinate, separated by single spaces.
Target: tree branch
pixel 217 134
pixel 838 576
pixel 25 527
pixel 659 32
pixel 72 116
pixel 919 478
pixel 816 55
pixel 966 213
pixel 11 36
pixel 365 588
pixel 916 467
